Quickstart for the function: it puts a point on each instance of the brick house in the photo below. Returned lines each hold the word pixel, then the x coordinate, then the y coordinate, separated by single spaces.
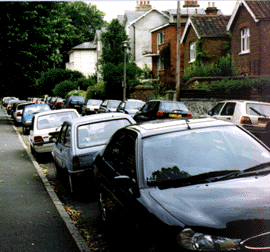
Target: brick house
pixel 164 40
pixel 249 26
pixel 206 32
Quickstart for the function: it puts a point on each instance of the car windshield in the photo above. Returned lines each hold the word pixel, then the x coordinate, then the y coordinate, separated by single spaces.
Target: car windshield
pixel 113 104
pixel 54 120
pixel 98 133
pixel 258 109
pixel 35 109
pixel 185 156
pixel 171 106
pixel 134 105
pixel 94 102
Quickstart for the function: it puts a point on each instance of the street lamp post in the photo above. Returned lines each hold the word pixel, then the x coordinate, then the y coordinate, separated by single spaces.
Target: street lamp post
pixel 124 43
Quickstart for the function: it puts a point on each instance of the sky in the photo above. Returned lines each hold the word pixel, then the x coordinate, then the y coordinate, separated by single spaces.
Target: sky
pixel 112 8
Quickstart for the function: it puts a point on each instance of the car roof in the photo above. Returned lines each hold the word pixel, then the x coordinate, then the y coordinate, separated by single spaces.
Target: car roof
pixel 56 112
pixel 245 101
pixel 100 117
pixel 37 105
pixel 157 127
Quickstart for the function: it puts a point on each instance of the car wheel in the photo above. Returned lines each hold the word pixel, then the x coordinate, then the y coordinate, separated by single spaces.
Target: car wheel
pixel 72 186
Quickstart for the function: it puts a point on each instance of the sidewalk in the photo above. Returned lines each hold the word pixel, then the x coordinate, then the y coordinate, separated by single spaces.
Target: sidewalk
pixel 30 220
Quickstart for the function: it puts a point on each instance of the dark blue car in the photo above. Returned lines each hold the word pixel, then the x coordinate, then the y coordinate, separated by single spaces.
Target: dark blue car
pixel 28 112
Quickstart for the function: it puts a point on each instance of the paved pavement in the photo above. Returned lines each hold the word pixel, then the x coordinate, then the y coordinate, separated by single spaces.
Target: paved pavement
pixel 31 216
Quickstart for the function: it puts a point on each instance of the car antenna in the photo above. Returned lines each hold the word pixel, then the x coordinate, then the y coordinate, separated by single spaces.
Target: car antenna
pixel 187 121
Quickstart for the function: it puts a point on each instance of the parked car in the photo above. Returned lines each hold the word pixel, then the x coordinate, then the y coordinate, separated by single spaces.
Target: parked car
pixel 45 126
pixel 11 105
pixel 130 106
pixel 76 102
pixel 252 115
pixel 159 109
pixel 6 99
pixel 28 112
pixel 51 102
pixel 79 141
pixel 196 184
pixel 108 106
pixel 91 107
pixel 17 112
pixel 59 103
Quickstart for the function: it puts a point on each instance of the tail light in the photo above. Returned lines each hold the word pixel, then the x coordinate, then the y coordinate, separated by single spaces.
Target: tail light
pixel 245 120
pixel 19 113
pixel 38 140
pixel 76 163
pixel 160 113
pixel 189 115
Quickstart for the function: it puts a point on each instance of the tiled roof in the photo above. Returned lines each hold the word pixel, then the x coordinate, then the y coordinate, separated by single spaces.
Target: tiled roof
pixel 210 25
pixel 261 9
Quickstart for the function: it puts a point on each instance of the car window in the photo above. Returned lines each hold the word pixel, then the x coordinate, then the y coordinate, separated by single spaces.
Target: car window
pixel 257 109
pixel 171 106
pixel 62 134
pixel 182 155
pixel 149 107
pixel 35 109
pixel 67 136
pixel 120 154
pixel 228 109
pixel 98 133
pixel 133 105
pixel 54 120
pixel 217 108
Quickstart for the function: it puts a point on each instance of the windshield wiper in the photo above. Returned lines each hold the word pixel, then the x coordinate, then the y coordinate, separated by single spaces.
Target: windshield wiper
pixel 257 112
pixel 258 167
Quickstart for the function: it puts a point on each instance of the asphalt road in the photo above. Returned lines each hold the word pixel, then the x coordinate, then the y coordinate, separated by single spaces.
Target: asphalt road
pixel 83 212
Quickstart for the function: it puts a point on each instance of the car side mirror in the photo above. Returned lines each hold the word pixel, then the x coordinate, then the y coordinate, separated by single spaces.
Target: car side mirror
pixel 125 182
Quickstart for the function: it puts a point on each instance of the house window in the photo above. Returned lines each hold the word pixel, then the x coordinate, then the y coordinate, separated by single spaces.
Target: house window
pixel 161 64
pixel 245 40
pixel 160 38
pixel 192 51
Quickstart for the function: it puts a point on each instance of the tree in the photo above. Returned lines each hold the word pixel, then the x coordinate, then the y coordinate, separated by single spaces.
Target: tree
pixel 48 80
pixel 86 19
pixel 112 61
pixel 31 35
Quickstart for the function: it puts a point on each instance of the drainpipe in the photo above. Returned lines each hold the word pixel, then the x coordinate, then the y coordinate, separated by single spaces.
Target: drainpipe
pixel 134 43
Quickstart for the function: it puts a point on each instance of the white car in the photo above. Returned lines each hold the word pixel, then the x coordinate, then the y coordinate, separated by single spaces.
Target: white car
pixel 252 115
pixel 46 126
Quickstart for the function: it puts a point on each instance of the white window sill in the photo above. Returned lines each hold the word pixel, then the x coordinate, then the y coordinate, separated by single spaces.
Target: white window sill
pixel 243 53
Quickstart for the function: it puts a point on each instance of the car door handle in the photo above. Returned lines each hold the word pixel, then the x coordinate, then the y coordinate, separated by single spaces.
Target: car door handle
pixel 228 118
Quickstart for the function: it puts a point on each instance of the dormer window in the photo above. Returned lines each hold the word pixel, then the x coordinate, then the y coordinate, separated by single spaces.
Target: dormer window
pixel 245 40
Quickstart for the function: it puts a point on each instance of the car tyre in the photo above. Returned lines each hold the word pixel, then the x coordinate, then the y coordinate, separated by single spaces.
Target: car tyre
pixel 102 209
pixel 72 185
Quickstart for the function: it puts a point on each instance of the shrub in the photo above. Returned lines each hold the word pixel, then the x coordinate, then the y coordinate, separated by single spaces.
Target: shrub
pixel 64 87
pixel 96 91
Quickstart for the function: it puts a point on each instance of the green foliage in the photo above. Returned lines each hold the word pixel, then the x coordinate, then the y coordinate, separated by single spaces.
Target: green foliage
pixel 96 91
pixel 64 87
pixel 32 34
pixel 224 67
pixel 228 84
pixel 51 78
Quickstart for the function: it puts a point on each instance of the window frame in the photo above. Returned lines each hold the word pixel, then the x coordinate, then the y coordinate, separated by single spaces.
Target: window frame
pixel 245 40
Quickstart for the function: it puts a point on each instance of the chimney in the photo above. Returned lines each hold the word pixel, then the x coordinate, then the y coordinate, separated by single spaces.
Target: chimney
pixel 143 6
pixel 191 4
pixel 211 10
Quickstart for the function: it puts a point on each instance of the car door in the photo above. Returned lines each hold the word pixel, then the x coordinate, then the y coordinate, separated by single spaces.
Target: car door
pixel 227 112
pixel 62 147
pixel 119 192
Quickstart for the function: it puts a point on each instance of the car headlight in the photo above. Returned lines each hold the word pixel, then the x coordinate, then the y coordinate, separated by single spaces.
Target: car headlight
pixel 192 240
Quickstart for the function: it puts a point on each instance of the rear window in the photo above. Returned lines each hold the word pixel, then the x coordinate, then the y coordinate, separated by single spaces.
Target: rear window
pixel 54 120
pixel 258 109
pixel 98 133
pixel 171 106
pixel 35 109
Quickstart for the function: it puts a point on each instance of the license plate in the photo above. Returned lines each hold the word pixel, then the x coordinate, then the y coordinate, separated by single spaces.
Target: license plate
pixel 175 115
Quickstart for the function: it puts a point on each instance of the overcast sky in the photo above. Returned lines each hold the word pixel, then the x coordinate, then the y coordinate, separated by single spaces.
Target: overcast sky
pixel 112 8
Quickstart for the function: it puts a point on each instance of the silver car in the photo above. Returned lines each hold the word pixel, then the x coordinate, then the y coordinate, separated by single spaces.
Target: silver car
pixel 80 140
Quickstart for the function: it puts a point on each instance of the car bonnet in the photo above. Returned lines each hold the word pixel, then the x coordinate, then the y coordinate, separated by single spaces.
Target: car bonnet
pixel 215 205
